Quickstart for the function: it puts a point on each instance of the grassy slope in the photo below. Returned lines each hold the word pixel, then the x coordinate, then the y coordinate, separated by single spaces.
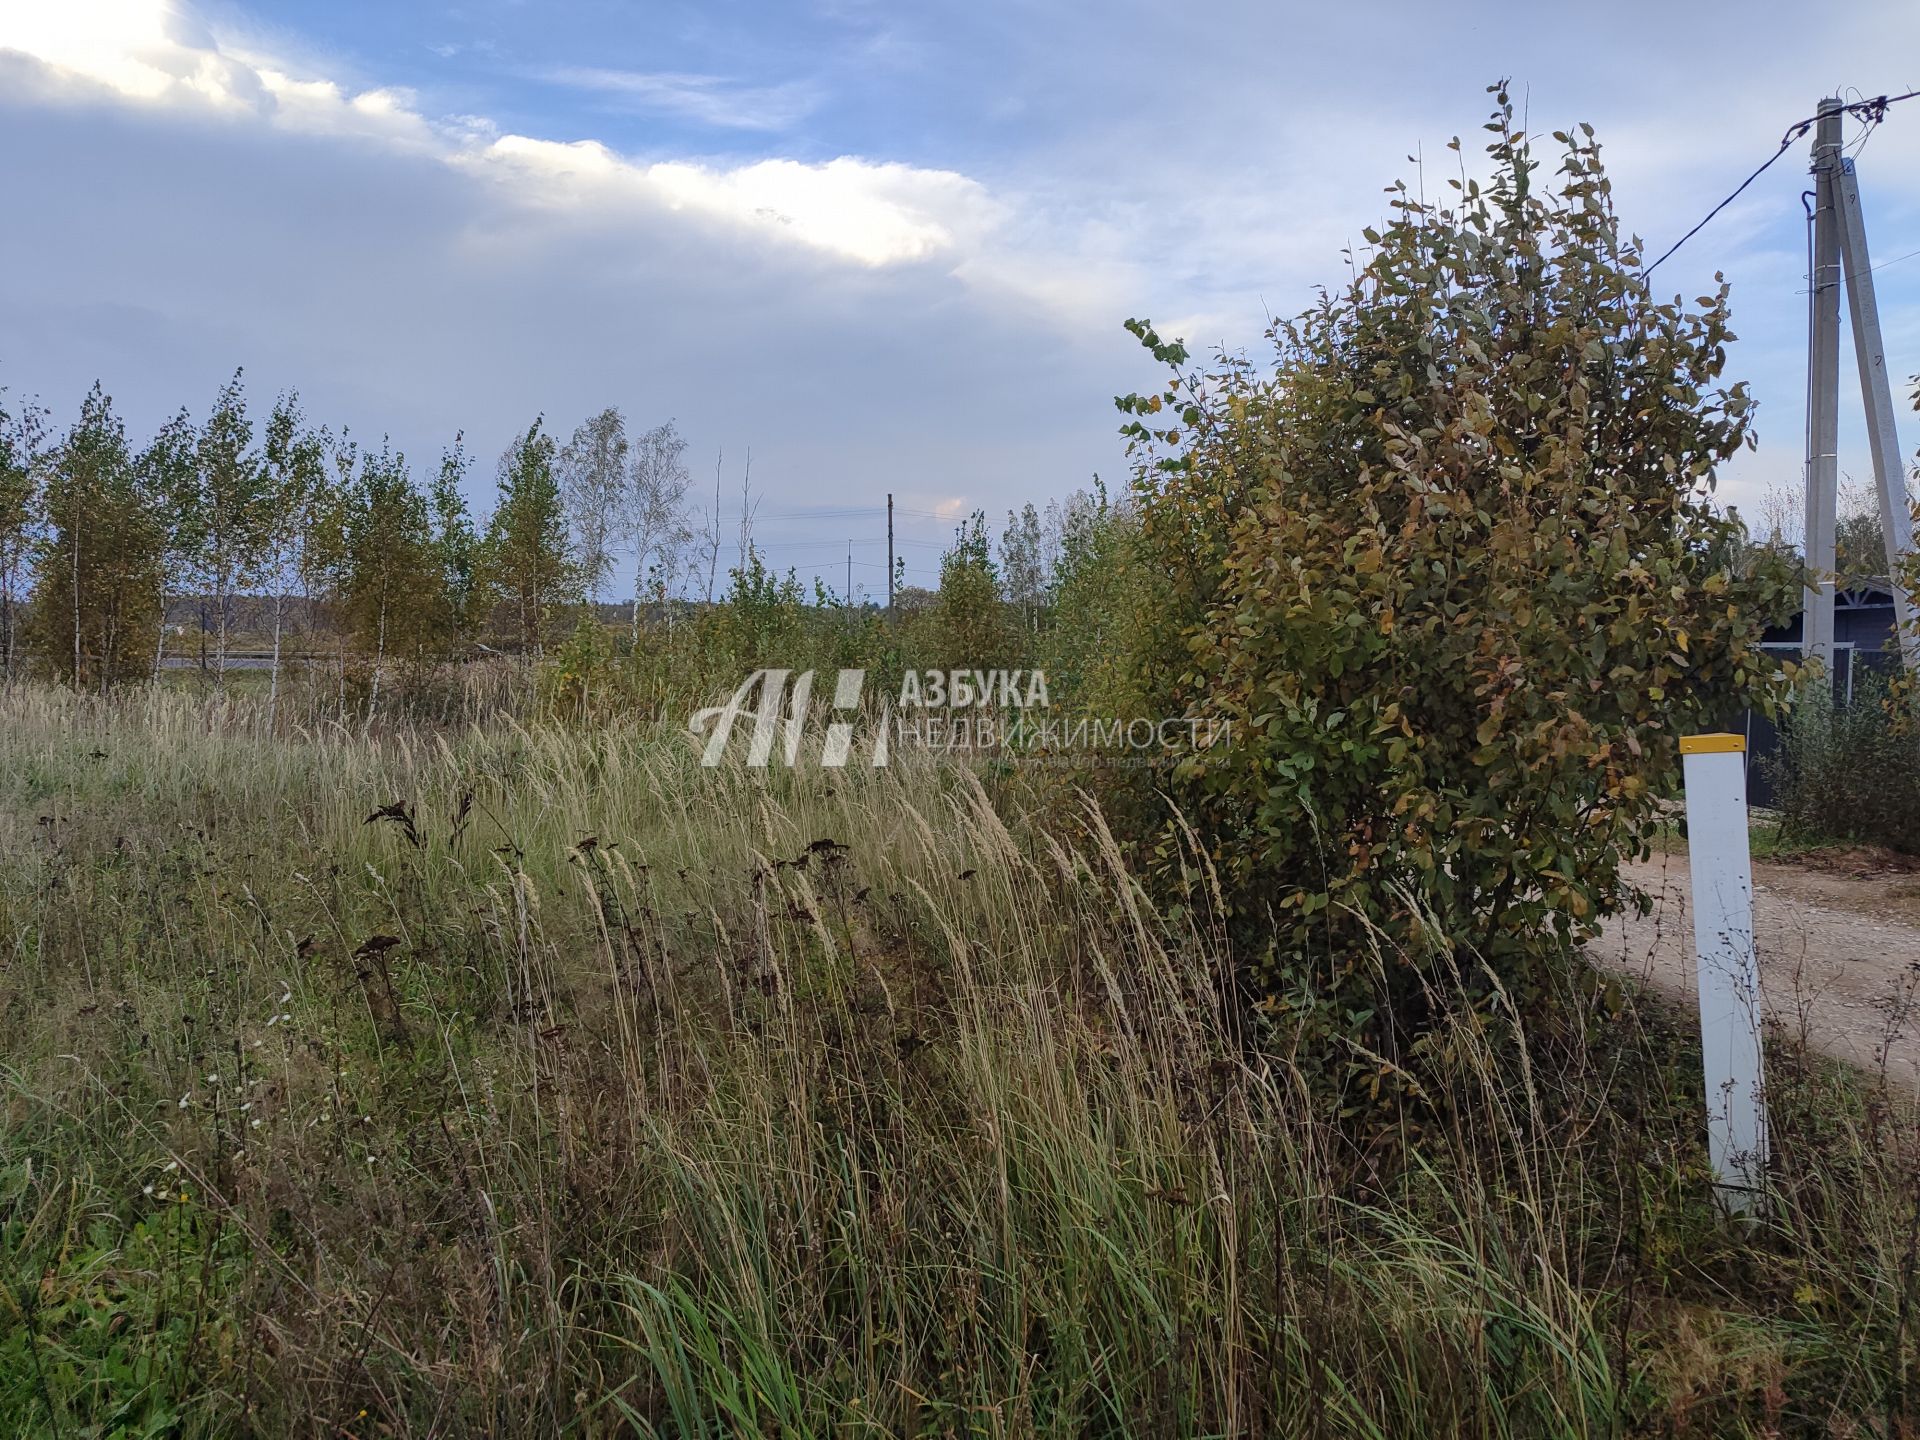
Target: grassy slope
pixel 462 1124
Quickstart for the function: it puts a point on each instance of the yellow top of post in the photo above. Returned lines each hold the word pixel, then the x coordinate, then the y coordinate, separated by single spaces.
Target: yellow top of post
pixel 1712 744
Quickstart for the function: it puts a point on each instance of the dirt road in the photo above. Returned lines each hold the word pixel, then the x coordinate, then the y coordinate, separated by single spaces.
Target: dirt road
pixel 1839 954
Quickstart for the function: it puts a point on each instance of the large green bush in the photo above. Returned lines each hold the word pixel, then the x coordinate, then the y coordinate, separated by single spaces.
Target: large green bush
pixel 1450 570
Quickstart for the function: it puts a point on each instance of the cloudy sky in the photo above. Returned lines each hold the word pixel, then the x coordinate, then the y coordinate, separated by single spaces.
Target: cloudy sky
pixel 879 246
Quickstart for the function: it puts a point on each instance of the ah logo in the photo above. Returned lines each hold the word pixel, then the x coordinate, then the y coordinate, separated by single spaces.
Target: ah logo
pixel 788 728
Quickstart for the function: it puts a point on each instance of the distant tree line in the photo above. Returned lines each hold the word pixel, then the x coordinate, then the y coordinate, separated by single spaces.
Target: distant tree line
pixel 296 539
pixel 98 536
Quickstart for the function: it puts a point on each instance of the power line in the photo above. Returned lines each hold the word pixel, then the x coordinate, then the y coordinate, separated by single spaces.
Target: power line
pixel 856 513
pixel 1895 261
pixel 1873 111
pixel 839 516
pixel 833 547
pixel 1870 269
pixel 1723 204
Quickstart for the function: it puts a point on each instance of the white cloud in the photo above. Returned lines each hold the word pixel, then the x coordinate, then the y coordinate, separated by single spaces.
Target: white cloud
pixel 140 49
pixel 865 212
pixel 857 210
pixel 873 213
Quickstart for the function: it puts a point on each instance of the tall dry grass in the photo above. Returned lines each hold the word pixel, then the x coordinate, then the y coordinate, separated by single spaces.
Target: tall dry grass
pixel 535 1081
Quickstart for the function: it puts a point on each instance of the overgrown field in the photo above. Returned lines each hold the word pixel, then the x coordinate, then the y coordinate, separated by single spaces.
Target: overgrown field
pixel 586 1091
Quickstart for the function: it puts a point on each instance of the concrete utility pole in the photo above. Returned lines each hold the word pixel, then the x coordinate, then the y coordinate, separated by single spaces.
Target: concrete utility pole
pixel 1840 249
pixel 1870 353
pixel 889 552
pixel 1823 392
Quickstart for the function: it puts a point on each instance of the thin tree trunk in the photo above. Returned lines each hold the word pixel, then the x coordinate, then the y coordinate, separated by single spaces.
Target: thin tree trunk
pixel 379 657
pixel 76 602
pixel 645 543
pixel 273 684
pixel 337 618
pixel 109 645
pixel 160 644
pixel 220 644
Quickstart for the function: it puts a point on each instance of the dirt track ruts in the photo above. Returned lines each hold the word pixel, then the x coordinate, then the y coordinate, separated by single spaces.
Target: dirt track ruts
pixel 1839 956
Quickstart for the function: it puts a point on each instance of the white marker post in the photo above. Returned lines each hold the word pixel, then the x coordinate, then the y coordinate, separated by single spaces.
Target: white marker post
pixel 1715 767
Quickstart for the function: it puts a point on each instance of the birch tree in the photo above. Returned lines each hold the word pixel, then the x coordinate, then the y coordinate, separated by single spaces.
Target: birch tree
pixel 1023 564
pixel 295 471
pixel 655 515
pixel 169 475
pixel 22 435
pixel 709 549
pixel 525 559
pixel 592 471
pixel 456 546
pixel 393 597
pixel 325 553
pixel 234 505
pixel 99 555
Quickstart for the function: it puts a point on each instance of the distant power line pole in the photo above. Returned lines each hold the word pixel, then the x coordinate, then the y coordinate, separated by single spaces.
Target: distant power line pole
pixel 849 574
pixel 1840 252
pixel 889 552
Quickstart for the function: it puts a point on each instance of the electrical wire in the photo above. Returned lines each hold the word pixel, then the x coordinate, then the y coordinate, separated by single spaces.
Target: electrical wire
pixel 1872 111
pixel 1870 269
pixel 855 513
pixel 1765 166
pixel 1894 261
pixel 849 514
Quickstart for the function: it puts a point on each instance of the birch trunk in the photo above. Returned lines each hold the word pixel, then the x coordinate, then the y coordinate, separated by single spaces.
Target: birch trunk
pixel 273 683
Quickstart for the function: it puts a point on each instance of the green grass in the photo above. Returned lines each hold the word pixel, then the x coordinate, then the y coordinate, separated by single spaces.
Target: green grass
pixel 1774 841
pixel 1767 839
pixel 599 1096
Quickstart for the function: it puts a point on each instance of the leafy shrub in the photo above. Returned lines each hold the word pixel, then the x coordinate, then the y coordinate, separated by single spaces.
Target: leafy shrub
pixel 1111 592
pixel 1451 573
pixel 972 627
pixel 763 618
pixel 581 666
pixel 1851 772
